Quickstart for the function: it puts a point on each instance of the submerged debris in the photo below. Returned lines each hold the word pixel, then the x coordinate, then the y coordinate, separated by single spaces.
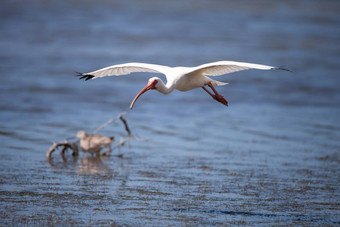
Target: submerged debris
pixel 65 145
pixel 92 143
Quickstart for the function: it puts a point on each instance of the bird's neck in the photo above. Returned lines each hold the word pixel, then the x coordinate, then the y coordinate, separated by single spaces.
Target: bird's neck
pixel 165 89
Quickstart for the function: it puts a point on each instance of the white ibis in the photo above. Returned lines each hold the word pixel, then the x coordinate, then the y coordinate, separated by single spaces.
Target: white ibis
pixel 94 143
pixel 179 78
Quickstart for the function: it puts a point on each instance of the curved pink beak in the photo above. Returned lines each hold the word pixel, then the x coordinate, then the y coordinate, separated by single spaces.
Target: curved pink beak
pixel 150 85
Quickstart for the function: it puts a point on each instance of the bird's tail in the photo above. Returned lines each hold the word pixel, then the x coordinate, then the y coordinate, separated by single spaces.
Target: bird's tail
pixel 218 83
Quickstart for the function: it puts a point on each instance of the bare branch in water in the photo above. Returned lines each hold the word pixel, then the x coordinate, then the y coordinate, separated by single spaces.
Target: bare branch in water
pixel 108 122
pixel 73 146
pixel 122 142
pixel 65 145
pixel 125 124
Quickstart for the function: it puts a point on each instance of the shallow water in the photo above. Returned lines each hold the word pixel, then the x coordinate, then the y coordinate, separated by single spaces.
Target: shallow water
pixel 270 158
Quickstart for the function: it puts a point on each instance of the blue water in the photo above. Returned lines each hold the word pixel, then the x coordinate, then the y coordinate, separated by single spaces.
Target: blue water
pixel 271 157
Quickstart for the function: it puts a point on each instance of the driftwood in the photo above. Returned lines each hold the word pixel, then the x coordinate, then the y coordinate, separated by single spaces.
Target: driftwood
pixel 123 141
pixel 125 124
pixel 127 129
pixel 120 116
pixel 65 145
pixel 73 145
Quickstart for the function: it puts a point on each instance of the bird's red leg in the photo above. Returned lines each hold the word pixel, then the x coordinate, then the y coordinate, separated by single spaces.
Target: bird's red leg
pixel 216 96
pixel 209 92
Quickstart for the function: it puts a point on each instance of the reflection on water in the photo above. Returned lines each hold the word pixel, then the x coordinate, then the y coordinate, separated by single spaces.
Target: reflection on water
pixel 92 165
pixel 86 165
pixel 270 158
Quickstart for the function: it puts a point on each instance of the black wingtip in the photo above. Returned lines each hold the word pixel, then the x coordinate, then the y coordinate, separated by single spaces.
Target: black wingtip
pixel 282 68
pixel 84 76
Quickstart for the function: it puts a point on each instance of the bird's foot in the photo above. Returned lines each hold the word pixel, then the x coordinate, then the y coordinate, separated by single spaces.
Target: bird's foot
pixel 221 99
pixel 216 96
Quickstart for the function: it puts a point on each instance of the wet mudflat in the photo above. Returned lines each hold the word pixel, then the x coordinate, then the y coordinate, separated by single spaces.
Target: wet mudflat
pixel 271 158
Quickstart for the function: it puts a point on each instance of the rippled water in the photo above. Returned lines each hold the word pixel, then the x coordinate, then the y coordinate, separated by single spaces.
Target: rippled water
pixel 271 157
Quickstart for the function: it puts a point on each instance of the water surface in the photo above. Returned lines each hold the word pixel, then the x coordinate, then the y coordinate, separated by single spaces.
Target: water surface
pixel 270 158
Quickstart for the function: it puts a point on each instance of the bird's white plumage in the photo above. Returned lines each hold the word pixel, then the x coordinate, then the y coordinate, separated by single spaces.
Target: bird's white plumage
pixel 124 69
pixel 179 78
pixel 224 67
pixel 209 69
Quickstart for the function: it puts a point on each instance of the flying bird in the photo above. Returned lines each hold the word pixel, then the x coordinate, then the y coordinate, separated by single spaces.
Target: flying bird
pixel 179 78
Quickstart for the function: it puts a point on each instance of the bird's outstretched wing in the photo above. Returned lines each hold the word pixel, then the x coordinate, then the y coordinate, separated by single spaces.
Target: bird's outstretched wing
pixel 124 69
pixel 225 67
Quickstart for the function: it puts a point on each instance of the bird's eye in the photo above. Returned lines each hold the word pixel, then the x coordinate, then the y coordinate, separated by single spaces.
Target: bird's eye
pixel 153 83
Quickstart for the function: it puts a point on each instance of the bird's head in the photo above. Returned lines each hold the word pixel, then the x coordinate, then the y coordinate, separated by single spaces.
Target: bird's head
pixel 152 84
pixel 81 134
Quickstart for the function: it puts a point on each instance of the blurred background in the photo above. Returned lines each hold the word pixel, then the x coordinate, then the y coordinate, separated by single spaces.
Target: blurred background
pixel 271 157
